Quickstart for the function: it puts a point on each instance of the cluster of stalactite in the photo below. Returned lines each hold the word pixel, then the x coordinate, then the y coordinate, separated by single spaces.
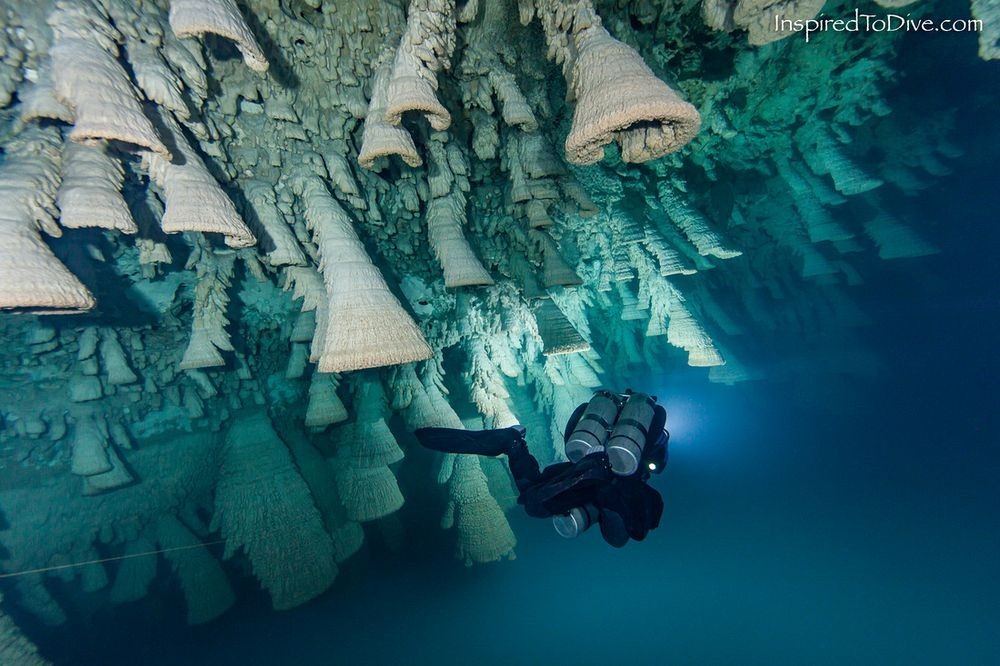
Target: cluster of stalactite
pixel 247 248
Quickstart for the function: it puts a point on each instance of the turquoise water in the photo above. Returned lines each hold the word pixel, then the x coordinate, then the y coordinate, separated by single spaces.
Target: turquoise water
pixel 837 504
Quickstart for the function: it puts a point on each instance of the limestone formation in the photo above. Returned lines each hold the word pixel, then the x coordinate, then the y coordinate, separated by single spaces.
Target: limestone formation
pixel 31 277
pixel 92 84
pixel 189 18
pixel 989 37
pixel 263 506
pixel 366 325
pixel 15 648
pixel 760 17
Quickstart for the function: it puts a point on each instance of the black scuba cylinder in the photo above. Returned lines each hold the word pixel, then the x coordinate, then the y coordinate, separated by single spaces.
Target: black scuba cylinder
pixel 593 428
pixel 628 438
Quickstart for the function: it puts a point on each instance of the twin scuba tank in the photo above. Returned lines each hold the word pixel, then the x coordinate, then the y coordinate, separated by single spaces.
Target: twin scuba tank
pixel 618 425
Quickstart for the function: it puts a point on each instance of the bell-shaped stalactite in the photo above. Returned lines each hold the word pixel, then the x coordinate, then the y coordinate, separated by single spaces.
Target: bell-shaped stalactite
pixel 32 279
pixel 366 326
pixel 557 332
pixel 263 506
pixel 618 98
pixel 366 484
pixel 192 18
pixel 382 138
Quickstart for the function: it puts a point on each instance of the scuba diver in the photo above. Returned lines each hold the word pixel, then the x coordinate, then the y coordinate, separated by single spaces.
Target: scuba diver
pixel 614 442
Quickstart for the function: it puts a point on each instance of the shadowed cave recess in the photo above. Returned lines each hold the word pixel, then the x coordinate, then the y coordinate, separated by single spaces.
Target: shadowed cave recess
pixel 247 247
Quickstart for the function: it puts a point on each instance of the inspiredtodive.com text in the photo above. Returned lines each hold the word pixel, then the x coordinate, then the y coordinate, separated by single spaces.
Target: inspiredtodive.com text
pixel 875 23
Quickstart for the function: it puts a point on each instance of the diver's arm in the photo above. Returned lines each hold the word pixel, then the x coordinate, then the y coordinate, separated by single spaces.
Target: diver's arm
pixel 650 511
pixel 613 528
pixel 656 427
pixel 614 514
pixel 629 510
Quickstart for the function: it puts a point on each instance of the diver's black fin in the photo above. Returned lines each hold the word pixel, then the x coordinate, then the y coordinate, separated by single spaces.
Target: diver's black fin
pixel 479 442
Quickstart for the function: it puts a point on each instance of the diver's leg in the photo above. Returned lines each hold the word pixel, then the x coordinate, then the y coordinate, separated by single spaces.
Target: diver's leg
pixel 479 442
pixel 510 441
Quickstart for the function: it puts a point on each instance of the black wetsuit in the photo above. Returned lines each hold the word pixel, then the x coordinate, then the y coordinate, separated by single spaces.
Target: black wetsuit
pixel 628 507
